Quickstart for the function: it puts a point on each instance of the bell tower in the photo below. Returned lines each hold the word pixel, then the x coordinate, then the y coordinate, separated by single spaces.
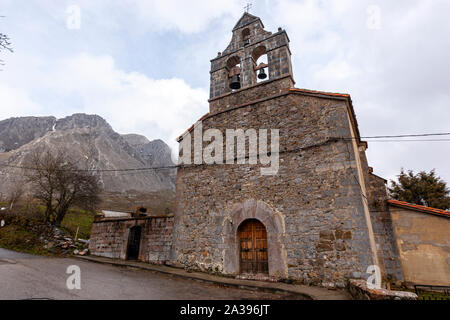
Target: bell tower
pixel 238 68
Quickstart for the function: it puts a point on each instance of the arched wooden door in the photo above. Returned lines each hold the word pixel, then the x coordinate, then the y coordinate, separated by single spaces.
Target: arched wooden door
pixel 253 256
pixel 134 241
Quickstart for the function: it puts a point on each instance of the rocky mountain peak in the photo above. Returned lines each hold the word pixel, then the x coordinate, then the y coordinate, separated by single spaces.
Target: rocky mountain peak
pixel 105 148
pixel 81 120
pixel 16 132
pixel 135 140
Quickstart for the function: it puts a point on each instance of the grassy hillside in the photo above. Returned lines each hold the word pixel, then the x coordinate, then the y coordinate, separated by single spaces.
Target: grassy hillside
pixel 22 232
pixel 18 238
pixel 78 218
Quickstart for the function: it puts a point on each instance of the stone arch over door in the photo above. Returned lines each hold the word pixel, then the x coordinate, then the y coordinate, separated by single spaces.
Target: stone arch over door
pixel 274 223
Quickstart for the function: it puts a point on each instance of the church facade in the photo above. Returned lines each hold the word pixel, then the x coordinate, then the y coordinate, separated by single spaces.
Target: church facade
pixel 305 208
pixel 322 218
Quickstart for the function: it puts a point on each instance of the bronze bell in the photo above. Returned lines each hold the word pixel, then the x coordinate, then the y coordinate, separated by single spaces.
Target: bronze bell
pixel 262 74
pixel 235 82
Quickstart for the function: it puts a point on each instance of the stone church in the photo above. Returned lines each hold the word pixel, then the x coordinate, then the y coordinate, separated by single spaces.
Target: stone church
pixel 321 219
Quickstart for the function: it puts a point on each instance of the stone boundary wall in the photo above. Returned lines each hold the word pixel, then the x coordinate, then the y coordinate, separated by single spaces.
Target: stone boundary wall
pixel 359 291
pixel 109 238
pixel 156 240
pixel 423 242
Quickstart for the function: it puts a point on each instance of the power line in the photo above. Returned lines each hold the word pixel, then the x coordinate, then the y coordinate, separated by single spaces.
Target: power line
pixel 412 140
pixel 293 150
pixel 95 170
pixel 327 140
pixel 409 135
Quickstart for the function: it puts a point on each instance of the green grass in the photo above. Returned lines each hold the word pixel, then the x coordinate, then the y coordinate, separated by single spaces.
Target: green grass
pixel 428 295
pixel 15 237
pixel 78 218
pixel 18 237
pixel 425 294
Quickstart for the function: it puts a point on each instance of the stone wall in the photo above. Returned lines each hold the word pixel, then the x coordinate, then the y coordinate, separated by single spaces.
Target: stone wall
pixel 388 254
pixel 109 238
pixel 252 93
pixel 360 291
pixel 157 240
pixel 312 209
pixel 276 46
pixel 423 241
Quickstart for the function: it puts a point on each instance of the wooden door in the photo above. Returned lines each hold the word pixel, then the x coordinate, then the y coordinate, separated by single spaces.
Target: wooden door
pixel 134 241
pixel 253 247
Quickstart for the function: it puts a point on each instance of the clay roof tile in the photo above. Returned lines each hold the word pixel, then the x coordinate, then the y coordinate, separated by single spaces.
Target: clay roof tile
pixel 419 207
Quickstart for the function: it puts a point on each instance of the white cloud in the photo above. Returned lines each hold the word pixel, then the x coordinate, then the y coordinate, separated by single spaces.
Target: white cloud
pixel 334 72
pixel 158 16
pixel 15 103
pixel 130 101
pixel 398 76
pixel 184 16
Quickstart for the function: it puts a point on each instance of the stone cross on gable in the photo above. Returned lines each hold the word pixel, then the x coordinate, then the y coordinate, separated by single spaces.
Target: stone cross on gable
pixel 248 7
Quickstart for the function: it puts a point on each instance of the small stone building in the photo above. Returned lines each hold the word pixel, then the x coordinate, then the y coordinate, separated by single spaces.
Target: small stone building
pixel 323 218
pixel 423 238
pixel 144 238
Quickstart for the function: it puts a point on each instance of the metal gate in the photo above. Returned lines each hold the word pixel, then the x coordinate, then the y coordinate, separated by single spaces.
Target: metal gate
pixel 430 292
pixel 253 247
pixel 134 240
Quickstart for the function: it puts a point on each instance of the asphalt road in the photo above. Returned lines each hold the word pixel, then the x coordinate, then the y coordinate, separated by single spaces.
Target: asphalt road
pixel 24 276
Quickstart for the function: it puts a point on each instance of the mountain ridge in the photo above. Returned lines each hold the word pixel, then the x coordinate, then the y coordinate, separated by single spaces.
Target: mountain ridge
pixel 87 137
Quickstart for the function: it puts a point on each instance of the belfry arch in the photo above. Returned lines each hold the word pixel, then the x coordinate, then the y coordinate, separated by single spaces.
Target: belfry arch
pixel 260 64
pixel 233 69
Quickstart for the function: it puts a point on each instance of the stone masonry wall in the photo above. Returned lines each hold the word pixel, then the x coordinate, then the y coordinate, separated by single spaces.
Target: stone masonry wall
pixel 314 202
pixel 157 240
pixel 388 253
pixel 109 238
pixel 276 46
pixel 252 93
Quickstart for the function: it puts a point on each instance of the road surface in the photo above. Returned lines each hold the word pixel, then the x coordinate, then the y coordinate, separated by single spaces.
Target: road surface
pixel 24 276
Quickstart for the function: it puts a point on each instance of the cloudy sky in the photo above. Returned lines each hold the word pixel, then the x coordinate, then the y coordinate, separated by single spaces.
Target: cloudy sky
pixel 144 65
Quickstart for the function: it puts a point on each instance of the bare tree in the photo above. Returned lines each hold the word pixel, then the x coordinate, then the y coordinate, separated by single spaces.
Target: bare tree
pixel 5 44
pixel 59 184
pixel 14 193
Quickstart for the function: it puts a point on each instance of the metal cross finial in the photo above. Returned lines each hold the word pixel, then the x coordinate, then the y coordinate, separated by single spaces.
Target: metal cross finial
pixel 248 7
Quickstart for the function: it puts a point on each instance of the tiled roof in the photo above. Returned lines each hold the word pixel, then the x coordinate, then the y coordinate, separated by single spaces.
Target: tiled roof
pixel 419 208
pixel 332 94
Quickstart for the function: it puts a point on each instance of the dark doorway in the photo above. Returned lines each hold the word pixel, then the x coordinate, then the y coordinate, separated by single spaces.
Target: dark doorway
pixel 253 256
pixel 134 240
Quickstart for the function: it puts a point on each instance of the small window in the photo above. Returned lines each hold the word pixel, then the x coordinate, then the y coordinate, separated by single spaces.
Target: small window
pixel 246 36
